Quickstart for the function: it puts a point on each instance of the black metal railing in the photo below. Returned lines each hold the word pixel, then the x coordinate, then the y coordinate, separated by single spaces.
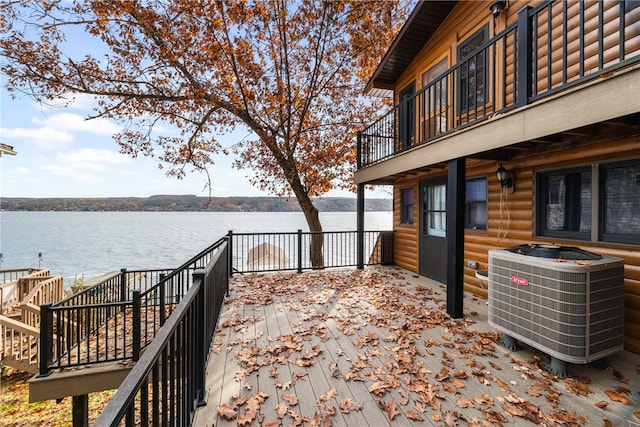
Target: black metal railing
pixel 166 385
pixel 263 252
pixel 115 318
pixel 550 48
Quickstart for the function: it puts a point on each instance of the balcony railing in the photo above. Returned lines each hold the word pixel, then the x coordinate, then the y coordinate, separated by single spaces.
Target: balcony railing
pixel 116 318
pixel 166 385
pixel 549 49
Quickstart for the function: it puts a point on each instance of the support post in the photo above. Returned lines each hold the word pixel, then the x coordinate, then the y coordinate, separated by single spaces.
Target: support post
pixel 137 324
pixel 201 339
pixel 81 410
pixel 123 285
pixel 359 150
pixel 299 251
pixel 230 252
pixel 455 237
pixel 524 57
pixel 360 226
pixel 46 340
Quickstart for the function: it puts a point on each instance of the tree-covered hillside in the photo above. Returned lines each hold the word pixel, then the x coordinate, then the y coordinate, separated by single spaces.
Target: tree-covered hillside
pixel 186 203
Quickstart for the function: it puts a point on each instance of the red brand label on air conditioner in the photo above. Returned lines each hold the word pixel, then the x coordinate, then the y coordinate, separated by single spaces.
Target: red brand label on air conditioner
pixel 519 281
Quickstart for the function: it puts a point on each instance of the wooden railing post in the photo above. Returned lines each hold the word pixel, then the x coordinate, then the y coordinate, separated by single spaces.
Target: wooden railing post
pixel 524 57
pixel 46 339
pixel 137 324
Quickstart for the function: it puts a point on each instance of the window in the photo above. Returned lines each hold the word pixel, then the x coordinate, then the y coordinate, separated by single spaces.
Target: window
pixel 620 206
pixel 435 99
pixel 472 77
pixel 406 206
pixel 435 210
pixel 566 201
pixel 475 204
pixel 564 198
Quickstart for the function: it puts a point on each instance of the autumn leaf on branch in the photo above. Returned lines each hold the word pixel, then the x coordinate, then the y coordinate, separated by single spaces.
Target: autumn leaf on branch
pixel 287 76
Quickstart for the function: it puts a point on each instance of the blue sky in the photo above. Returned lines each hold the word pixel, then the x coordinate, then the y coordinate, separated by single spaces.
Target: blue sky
pixel 60 154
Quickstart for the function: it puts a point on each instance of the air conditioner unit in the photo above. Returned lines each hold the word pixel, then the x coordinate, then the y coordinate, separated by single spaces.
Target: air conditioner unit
pixel 564 301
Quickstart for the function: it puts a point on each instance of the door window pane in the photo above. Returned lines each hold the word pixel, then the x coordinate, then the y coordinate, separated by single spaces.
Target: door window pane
pixel 435 220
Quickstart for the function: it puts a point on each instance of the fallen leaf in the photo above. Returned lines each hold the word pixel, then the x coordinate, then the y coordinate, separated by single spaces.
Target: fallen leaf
pixel 463 402
pixel 617 397
pixel 348 405
pixel 227 411
pixel 291 399
pixel 414 416
pixel 281 410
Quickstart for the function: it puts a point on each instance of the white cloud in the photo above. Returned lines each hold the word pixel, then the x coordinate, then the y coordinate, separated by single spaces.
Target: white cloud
pixel 77 123
pixel 45 137
pixel 93 158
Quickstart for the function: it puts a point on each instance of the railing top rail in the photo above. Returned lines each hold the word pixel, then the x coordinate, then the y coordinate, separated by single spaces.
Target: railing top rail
pixel 86 290
pixel 89 306
pixel 186 265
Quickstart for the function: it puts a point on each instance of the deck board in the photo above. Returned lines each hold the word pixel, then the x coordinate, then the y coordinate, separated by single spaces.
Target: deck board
pixel 388 326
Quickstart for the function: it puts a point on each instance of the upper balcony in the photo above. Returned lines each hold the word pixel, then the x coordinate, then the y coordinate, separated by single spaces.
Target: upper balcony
pixel 552 51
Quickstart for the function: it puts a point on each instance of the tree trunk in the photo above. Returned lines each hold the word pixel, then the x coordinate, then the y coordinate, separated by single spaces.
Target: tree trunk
pixel 313 221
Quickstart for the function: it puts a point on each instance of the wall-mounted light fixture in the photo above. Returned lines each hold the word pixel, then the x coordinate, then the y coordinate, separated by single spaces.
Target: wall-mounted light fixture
pixel 497 6
pixel 505 178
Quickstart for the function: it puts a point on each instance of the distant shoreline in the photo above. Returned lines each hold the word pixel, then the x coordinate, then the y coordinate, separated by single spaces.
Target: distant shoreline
pixel 186 203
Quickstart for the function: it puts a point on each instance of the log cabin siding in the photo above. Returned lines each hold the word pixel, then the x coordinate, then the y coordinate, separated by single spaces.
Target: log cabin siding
pixel 514 224
pixel 568 62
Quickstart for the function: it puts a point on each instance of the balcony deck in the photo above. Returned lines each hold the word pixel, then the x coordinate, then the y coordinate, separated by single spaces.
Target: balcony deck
pixel 375 347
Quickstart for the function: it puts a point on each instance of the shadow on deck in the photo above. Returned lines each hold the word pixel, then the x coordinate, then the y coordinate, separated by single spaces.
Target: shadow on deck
pixel 375 347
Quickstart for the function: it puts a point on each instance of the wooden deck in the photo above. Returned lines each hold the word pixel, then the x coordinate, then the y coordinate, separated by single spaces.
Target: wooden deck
pixel 375 347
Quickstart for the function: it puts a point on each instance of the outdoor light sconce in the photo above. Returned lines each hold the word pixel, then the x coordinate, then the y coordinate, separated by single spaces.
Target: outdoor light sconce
pixel 505 178
pixel 497 6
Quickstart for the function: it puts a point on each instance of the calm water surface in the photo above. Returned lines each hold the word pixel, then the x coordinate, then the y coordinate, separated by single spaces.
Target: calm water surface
pixel 86 244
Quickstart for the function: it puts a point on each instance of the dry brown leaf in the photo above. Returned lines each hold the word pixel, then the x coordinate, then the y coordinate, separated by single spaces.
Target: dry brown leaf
pixel 227 411
pixel 391 409
pixel 348 405
pixel 617 397
pixel 291 399
pixel 577 387
pixel 602 404
pixel 464 402
pixel 248 417
pixel 281 410
pixel 456 383
pixel 413 416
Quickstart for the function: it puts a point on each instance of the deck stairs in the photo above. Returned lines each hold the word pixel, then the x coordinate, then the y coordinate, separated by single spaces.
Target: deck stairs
pixel 22 292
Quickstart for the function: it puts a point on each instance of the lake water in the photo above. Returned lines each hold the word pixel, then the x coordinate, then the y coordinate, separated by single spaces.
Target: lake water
pixel 86 244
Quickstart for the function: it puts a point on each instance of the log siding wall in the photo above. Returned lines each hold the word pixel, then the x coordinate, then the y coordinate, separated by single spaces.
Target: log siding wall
pixel 514 225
